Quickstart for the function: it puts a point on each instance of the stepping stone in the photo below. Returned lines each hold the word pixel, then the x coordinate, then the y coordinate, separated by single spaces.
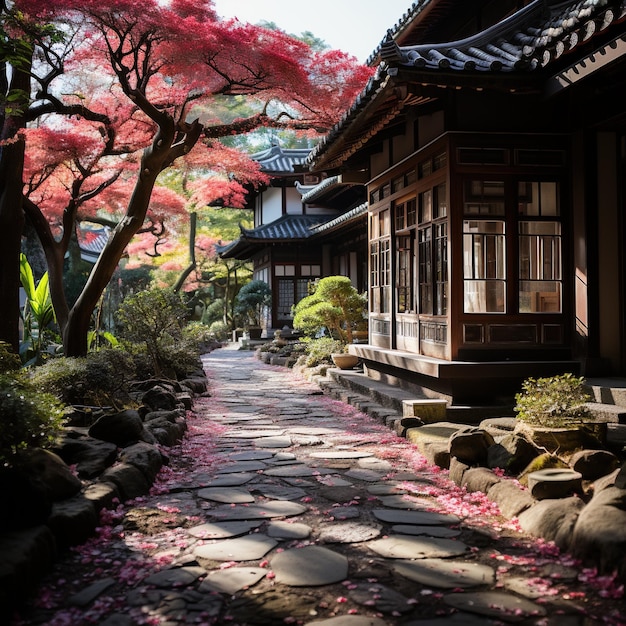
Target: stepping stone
pixel 364 474
pixel 408 547
pixel 274 508
pixel 285 456
pixel 339 494
pixel 381 598
pixel 532 588
pixel 349 620
pixel 232 580
pixel 504 606
pixel 310 566
pixel 455 619
pixel 407 502
pixel 312 430
pixel 231 480
pixel 175 577
pixel 226 495
pixel 251 455
pixel 273 442
pixel 285 530
pixel 445 574
pixel 430 531
pixel 280 492
pixel 292 471
pixel 299 482
pixel 377 465
pixel 222 530
pixel 242 466
pixel 385 489
pixel 253 434
pixel 347 532
pixel 421 518
pixel 340 454
pixel 247 548
pixel 90 593
pixel 334 481
pixel 344 512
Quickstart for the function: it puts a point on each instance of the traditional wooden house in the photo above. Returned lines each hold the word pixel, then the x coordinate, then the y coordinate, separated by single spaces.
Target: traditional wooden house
pixel 305 228
pixel 493 139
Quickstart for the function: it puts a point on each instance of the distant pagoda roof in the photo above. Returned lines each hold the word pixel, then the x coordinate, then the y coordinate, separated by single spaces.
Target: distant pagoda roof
pixel 276 160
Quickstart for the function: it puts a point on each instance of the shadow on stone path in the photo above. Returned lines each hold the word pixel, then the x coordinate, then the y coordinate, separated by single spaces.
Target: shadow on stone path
pixel 283 506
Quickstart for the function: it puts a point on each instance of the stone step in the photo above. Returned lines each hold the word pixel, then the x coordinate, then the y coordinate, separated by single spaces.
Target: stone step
pixel 607 391
pixel 394 398
pixel 610 413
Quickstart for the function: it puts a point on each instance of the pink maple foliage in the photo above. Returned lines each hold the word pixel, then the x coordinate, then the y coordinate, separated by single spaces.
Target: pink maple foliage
pixel 126 90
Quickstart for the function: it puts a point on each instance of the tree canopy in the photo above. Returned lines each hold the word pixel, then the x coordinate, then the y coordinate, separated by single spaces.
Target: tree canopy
pixel 99 99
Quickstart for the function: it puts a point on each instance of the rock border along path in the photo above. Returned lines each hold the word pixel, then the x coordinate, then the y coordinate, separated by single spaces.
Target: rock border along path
pixel 284 506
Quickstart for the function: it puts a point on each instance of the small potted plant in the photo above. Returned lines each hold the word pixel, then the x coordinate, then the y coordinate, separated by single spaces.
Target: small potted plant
pixel 554 414
pixel 335 307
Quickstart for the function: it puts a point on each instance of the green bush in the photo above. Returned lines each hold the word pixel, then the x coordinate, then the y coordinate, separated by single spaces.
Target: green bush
pixel 9 361
pixel 335 305
pixel 154 320
pixel 28 418
pixel 98 379
pixel 318 351
pixel 251 300
pixel 219 331
pixel 553 402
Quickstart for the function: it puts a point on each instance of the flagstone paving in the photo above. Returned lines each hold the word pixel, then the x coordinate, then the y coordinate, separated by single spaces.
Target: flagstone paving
pixel 285 507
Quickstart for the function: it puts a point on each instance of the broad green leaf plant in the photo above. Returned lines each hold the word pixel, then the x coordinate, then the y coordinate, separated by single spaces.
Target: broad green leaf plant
pixel 37 314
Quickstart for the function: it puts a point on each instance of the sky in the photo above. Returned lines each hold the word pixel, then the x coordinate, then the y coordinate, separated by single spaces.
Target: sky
pixel 354 26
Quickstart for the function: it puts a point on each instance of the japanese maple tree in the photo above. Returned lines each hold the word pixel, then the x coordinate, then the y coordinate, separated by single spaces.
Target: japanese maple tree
pixel 123 90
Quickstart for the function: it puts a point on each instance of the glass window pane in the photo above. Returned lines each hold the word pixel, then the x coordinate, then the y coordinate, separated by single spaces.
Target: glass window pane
pixel 484 296
pixel 441 205
pixel 483 197
pixel 538 198
pixel 540 296
pixel 425 206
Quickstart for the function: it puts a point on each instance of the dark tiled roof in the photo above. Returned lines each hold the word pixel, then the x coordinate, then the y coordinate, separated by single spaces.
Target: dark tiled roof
pixel 285 227
pixel 277 160
pixel 538 37
pixel 527 40
pixel 288 228
pixel 353 214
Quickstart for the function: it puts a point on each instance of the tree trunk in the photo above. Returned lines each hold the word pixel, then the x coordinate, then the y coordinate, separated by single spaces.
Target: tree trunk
pixel 11 213
pixel 192 253
pixel 154 160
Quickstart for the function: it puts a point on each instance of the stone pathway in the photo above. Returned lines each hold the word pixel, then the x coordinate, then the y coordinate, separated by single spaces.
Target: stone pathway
pixel 285 507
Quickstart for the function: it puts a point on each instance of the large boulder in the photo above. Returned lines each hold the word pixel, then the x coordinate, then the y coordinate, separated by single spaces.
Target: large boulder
pixel 52 472
pixel 512 453
pixel 145 458
pixel 166 432
pixel 479 479
pixel 600 532
pixel 90 456
pixel 122 428
pixel 129 480
pixel 159 398
pixel 553 520
pixel 510 498
pixel 73 520
pixel 470 445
